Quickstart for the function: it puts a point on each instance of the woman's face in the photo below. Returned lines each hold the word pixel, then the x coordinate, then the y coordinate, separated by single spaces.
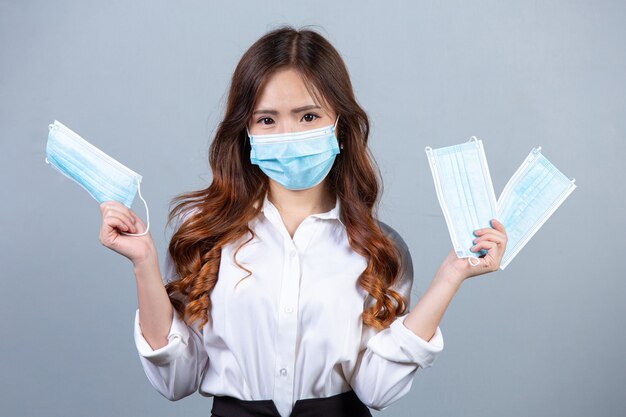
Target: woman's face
pixel 285 105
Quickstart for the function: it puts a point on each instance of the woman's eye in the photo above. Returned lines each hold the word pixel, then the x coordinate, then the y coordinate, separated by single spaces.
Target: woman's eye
pixel 315 116
pixel 309 117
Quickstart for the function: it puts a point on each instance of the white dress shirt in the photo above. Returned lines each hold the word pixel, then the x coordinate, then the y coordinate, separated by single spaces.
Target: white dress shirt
pixel 292 329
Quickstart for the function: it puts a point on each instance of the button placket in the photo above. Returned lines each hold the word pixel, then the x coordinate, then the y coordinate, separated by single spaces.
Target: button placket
pixel 287 324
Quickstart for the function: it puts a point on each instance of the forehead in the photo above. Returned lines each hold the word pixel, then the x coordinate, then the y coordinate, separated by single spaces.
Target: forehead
pixel 283 90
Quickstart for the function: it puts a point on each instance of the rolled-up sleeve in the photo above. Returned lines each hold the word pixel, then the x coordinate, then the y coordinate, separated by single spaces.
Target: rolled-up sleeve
pixel 176 369
pixel 385 369
pixel 400 344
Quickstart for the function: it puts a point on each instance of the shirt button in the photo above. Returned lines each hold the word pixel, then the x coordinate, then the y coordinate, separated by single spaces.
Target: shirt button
pixel 293 253
pixel 289 309
pixel 283 371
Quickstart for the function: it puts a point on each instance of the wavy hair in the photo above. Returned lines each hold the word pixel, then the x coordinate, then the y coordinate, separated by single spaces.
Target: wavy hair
pixel 219 214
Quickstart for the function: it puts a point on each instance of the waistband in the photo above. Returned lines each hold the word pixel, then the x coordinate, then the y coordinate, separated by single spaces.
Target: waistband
pixel 346 404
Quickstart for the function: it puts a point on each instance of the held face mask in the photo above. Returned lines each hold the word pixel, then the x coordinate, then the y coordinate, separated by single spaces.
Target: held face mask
pixel 465 192
pixel 529 198
pixel 103 177
pixel 297 160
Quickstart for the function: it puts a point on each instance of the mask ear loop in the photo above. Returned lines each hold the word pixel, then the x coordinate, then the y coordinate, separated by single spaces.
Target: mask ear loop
pixel 469 259
pixel 335 128
pixel 147 215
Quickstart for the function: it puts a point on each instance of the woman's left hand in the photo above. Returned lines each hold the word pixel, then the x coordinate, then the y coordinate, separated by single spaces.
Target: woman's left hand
pixel 492 239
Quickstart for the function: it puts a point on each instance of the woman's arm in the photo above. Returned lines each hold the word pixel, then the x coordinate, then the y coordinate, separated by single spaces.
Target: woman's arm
pixel 172 353
pixel 155 308
pixel 427 313
pixel 384 371
pixel 388 359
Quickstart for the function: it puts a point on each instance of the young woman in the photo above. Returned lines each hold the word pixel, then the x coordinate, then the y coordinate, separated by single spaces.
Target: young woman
pixel 284 294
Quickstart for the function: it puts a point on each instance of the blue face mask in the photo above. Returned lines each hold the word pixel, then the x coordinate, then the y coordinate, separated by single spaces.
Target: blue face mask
pixel 465 193
pixel 103 177
pixel 297 160
pixel 529 198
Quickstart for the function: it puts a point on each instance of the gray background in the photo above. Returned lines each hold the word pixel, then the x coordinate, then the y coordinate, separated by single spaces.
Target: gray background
pixel 146 82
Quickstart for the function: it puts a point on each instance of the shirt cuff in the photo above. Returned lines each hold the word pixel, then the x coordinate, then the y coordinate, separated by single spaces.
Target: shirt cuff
pixel 398 343
pixel 177 342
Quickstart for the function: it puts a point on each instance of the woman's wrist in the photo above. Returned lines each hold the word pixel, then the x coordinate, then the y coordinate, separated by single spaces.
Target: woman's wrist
pixel 449 274
pixel 147 266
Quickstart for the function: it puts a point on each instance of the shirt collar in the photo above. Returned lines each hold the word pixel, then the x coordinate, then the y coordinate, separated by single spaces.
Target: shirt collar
pixel 334 213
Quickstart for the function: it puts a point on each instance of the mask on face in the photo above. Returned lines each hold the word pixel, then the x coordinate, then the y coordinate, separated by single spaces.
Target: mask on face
pixel 465 193
pixel 529 198
pixel 103 177
pixel 297 160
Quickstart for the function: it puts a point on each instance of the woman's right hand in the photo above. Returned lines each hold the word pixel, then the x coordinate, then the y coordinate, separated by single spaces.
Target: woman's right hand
pixel 117 217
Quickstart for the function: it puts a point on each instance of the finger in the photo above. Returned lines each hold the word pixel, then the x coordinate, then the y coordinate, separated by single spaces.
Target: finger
pixel 125 217
pixel 497 225
pixel 103 206
pixel 487 245
pixel 491 237
pixel 110 204
pixel 482 231
pixel 120 222
pixel 489 232
pixel 124 213
pixel 114 227
pixel 138 222
pixel 491 258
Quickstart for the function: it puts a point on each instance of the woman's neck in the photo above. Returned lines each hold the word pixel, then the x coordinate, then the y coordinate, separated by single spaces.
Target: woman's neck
pixel 299 204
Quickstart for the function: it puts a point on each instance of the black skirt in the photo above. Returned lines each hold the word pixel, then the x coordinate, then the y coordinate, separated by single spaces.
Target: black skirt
pixel 346 404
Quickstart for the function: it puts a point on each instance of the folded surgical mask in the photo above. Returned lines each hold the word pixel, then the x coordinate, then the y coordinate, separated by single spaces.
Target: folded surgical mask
pixel 103 177
pixel 530 197
pixel 297 160
pixel 463 187
pixel 465 192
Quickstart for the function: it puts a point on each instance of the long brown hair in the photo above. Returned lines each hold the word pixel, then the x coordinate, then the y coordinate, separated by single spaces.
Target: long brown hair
pixel 220 213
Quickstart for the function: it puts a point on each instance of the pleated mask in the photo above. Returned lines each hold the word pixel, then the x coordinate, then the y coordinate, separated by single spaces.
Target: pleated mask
pixel 103 177
pixel 465 193
pixel 298 160
pixel 529 198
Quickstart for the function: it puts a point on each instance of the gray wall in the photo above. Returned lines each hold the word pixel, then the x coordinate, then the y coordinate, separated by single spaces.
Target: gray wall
pixel 146 82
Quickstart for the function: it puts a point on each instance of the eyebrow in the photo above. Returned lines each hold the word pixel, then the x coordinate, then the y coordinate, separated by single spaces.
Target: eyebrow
pixel 297 110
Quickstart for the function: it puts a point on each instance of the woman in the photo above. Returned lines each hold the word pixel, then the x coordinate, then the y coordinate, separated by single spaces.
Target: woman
pixel 284 294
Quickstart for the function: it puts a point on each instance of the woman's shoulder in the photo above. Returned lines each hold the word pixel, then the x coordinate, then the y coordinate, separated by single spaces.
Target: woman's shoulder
pixel 393 234
pixel 405 282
